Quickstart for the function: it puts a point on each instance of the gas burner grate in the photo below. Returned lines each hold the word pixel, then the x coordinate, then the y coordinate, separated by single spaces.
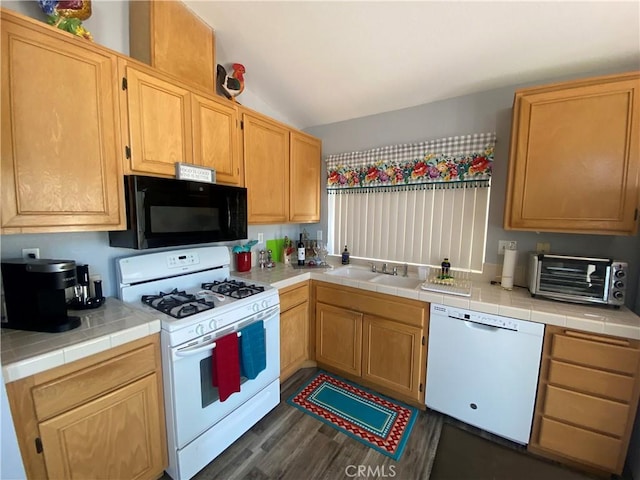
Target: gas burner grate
pixel 177 303
pixel 233 288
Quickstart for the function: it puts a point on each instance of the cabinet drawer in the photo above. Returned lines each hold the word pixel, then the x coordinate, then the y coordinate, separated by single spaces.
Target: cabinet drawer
pixel 293 297
pixel 608 356
pixel 599 382
pixel 591 412
pixel 64 393
pixel 582 445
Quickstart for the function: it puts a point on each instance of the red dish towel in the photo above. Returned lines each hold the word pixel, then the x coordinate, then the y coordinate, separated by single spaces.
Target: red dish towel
pixel 226 366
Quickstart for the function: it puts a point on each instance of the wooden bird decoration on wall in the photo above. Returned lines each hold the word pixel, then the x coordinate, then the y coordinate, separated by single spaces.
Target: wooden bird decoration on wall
pixel 230 85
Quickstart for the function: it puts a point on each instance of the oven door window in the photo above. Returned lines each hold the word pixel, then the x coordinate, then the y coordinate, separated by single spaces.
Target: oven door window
pixel 580 278
pixel 208 393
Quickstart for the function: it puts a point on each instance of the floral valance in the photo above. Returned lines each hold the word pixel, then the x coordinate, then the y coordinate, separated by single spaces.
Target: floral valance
pixel 453 162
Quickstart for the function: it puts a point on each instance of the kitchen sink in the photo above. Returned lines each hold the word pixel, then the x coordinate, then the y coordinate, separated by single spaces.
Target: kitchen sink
pixel 355 273
pixel 397 281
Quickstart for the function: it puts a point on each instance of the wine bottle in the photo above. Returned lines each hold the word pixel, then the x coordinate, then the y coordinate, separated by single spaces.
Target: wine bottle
pixel 301 251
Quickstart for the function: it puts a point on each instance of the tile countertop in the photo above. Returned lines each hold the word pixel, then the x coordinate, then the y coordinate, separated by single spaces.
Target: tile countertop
pixel 26 353
pixel 485 297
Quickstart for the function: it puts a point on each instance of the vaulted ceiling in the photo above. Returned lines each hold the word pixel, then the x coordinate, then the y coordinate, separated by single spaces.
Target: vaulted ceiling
pixel 328 61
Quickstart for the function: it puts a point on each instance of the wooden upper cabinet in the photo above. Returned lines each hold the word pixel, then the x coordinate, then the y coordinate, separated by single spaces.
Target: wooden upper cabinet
pixel 61 161
pixel 169 37
pixel 304 180
pixel 575 157
pixel 215 138
pixel 159 119
pixel 266 165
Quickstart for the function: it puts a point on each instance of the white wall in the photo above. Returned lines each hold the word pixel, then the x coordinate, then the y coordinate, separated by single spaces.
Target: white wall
pixel 11 467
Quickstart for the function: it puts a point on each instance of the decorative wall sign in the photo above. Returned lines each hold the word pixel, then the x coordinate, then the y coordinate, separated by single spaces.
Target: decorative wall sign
pixel 453 162
pixel 187 171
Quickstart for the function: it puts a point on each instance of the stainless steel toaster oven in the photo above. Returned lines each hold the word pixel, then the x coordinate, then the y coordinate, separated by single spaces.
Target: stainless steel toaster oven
pixel 577 279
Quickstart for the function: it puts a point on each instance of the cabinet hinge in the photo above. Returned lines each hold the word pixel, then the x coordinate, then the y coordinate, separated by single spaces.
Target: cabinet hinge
pixel 420 387
pixel 241 124
pixel 127 151
pixel 38 445
pixel 125 85
pixel 423 340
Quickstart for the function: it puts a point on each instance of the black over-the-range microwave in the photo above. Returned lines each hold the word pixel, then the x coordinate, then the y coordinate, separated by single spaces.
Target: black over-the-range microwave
pixel 163 212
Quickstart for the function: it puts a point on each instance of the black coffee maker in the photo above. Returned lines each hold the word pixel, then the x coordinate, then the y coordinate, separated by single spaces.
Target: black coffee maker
pixel 34 290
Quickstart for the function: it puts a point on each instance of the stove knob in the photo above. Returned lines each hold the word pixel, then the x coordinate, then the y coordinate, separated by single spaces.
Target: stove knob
pixel 255 307
pixel 618 284
pixel 620 274
pixel 265 304
pixel 618 295
pixel 199 329
pixel 212 325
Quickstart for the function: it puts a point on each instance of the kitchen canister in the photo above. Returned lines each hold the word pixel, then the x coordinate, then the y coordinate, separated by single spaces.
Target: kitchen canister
pixel 243 261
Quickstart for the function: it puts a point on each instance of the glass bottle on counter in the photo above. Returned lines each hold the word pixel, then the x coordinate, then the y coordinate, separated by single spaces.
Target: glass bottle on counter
pixel 301 251
pixel 445 268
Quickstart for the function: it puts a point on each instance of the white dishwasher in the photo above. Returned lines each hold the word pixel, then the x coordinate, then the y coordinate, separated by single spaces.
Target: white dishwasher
pixel 483 369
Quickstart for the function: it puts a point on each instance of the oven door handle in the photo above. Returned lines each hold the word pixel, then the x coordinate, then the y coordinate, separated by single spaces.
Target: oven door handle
pixel 187 352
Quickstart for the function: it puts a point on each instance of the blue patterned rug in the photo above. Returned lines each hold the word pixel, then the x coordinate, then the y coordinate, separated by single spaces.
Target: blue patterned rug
pixel 377 421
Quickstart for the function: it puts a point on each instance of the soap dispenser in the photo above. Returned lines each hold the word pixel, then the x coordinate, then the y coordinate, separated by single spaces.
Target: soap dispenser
pixel 345 256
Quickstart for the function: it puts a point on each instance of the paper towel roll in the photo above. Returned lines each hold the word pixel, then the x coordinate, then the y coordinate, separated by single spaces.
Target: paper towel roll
pixel 508 268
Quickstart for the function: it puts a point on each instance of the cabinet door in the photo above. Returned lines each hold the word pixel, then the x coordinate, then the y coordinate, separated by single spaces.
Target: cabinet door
pixel 304 182
pixel 294 339
pixel 574 158
pixel 61 168
pixel 215 138
pixel 118 435
pixel 339 338
pixel 266 167
pixel 391 356
pixel 171 38
pixel 159 116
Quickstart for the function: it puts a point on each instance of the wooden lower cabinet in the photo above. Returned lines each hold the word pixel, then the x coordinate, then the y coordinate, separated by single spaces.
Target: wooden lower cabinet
pixel 587 399
pixel 374 339
pixel 294 328
pixel 339 338
pixel 392 355
pixel 101 417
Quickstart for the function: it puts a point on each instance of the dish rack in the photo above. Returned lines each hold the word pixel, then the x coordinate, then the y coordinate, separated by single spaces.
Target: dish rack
pixel 456 284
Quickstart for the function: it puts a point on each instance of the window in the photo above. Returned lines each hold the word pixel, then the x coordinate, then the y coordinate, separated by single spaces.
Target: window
pixel 418 208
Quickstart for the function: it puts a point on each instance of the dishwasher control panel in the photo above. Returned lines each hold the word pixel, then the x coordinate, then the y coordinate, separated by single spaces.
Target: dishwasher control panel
pixel 483 318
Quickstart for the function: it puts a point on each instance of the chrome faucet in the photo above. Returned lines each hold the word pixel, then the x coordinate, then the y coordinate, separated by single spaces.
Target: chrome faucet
pixel 405 270
pixel 394 270
pixel 373 267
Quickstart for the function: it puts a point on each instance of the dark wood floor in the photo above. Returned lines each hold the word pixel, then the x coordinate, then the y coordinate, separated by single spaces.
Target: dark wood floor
pixel 288 444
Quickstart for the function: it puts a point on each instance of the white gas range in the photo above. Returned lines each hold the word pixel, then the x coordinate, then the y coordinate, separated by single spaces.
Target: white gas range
pixel 199 303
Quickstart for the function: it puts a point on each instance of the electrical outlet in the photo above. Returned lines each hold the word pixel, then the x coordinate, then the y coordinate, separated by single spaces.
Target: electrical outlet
pixel 506 245
pixel 30 253
pixel 543 247
pixel 319 235
pixel 261 238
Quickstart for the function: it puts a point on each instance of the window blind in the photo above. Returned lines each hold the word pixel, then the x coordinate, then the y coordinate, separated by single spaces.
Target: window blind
pixel 414 203
pixel 413 226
